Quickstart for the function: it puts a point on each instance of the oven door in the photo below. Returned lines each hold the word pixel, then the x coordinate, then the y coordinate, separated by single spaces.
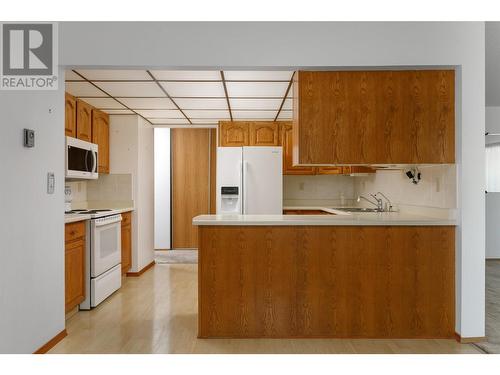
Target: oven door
pixel 106 244
pixel 81 159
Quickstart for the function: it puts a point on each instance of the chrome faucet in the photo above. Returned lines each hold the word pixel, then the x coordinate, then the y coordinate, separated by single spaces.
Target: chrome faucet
pixel 378 201
pixel 388 204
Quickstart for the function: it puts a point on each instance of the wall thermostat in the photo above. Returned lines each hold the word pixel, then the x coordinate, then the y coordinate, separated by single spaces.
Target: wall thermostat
pixel 29 138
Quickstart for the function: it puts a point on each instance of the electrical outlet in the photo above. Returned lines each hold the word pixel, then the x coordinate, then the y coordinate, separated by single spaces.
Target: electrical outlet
pixel 438 184
pixel 51 182
pixel 301 186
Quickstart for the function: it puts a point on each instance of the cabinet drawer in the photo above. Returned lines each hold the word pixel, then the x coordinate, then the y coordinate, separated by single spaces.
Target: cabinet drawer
pixel 73 231
pixel 126 218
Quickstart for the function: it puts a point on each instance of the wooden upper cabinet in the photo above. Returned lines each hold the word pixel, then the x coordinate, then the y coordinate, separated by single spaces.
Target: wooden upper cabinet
pixel 330 170
pixel 374 117
pixel 70 115
pixel 83 121
pixel 286 140
pixel 100 136
pixel 264 133
pixel 233 133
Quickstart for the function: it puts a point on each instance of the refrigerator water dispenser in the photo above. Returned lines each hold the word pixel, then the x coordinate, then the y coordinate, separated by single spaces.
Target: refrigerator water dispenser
pixel 230 198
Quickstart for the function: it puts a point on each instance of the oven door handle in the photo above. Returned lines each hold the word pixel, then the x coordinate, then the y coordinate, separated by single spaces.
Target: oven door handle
pixel 108 221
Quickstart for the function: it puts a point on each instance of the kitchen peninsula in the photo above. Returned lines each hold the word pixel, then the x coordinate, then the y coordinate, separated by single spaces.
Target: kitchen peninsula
pixel 375 275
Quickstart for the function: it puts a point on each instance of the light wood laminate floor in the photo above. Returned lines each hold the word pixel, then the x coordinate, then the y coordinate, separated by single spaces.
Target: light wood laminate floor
pixel 157 313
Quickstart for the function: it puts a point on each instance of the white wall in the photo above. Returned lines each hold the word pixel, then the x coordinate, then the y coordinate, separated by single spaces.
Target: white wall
pixel 32 222
pixel 493 198
pixel 304 44
pixel 131 152
pixel 145 196
pixel 162 188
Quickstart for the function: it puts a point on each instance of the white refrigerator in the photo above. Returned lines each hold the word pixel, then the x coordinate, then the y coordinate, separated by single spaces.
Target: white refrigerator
pixel 249 180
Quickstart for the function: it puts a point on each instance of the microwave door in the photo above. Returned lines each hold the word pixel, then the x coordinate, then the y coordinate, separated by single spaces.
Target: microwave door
pixel 77 159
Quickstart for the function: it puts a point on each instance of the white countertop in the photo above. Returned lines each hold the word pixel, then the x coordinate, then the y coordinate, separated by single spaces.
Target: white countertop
pixel 72 218
pixel 353 219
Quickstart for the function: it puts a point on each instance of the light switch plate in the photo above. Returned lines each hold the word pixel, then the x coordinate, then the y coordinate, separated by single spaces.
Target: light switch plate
pixel 51 182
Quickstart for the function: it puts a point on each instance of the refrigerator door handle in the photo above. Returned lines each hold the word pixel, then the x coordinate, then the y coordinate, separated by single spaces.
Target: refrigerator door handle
pixel 245 191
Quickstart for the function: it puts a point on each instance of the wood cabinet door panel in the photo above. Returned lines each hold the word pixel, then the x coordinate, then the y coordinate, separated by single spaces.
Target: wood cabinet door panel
pixel 74 261
pixel 264 133
pixel 100 136
pixel 70 115
pixel 288 167
pixel 83 121
pixel 233 134
pixel 374 117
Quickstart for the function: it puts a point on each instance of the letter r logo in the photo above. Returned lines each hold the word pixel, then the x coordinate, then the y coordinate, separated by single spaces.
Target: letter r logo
pixel 27 49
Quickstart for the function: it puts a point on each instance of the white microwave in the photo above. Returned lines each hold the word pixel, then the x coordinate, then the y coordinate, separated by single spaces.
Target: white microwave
pixel 81 159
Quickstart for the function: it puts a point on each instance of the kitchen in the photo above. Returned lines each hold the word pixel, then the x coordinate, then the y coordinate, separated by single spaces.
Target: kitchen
pixel 245 179
pixel 432 196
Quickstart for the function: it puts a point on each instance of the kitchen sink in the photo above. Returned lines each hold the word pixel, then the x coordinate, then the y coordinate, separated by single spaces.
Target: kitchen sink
pixel 357 209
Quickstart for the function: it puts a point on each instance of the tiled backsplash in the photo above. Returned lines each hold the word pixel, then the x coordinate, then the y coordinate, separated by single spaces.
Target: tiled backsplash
pixel 109 190
pixel 317 190
pixel 436 189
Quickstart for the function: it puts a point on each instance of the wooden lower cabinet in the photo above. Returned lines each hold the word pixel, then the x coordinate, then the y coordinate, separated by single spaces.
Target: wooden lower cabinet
pixel 126 241
pixel 326 281
pixel 74 261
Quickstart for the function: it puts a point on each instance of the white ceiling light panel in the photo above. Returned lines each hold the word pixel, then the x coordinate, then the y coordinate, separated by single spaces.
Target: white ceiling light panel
pixel 187 75
pixel 216 114
pixel 206 121
pixel 169 121
pixel 194 89
pixel 257 75
pixel 113 75
pixel 108 103
pixel 254 115
pixel 256 89
pixel 131 89
pixel 255 104
pixel 285 115
pixel 201 103
pixel 148 103
pixel 161 113
pixel 69 75
pixel 79 89
pixel 118 111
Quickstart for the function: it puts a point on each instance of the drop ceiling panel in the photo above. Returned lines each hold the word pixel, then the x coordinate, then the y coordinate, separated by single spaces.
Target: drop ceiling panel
pixel 254 115
pixel 255 104
pixel 187 75
pixel 161 113
pixel 205 121
pixel 206 114
pixel 118 111
pixel 194 89
pixel 257 75
pixel 108 103
pixel 122 75
pixel 169 121
pixel 285 115
pixel 256 89
pixel 131 89
pixel 203 103
pixel 148 103
pixel 70 75
pixel 79 89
